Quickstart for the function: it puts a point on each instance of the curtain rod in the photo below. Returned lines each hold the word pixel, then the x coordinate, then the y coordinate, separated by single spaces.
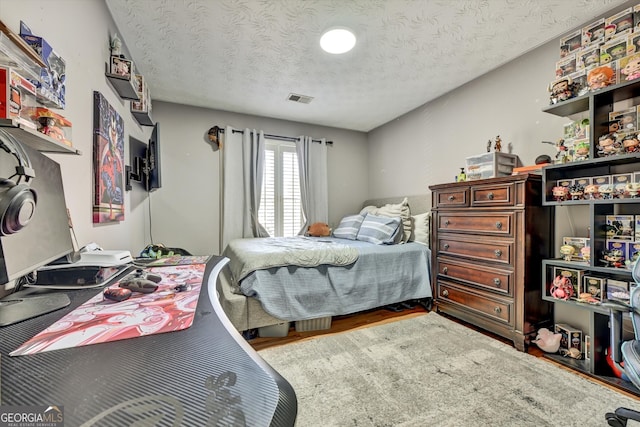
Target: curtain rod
pixel 266 135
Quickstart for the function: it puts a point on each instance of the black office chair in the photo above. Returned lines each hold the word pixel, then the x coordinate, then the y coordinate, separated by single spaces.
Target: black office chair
pixel 627 351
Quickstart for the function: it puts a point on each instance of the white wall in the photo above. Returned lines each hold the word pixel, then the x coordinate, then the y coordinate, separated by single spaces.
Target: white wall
pixel 432 142
pixel 79 32
pixel 185 210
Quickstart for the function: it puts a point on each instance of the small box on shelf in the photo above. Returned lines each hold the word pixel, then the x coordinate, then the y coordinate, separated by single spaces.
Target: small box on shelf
pixel 141 109
pixel 17 97
pixel 50 87
pixel 617 289
pixel 571 337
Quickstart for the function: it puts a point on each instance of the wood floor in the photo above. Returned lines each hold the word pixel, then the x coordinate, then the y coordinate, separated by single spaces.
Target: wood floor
pixel 380 316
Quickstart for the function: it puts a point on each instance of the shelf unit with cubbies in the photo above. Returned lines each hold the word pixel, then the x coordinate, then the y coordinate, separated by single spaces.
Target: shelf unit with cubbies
pixel 598 105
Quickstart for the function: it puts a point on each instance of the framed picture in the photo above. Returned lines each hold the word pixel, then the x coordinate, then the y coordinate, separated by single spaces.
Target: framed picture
pixel 121 67
pixel 108 161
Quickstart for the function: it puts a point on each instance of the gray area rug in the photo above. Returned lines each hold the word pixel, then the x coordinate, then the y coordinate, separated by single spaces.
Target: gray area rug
pixel 429 370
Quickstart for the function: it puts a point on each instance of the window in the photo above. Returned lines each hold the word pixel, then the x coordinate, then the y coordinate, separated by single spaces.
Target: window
pixel 280 206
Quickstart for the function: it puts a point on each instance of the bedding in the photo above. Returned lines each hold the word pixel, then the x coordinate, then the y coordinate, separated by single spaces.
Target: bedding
pixel 371 281
pixel 382 275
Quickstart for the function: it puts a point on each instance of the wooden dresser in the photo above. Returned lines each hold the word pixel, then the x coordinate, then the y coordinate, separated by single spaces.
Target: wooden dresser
pixel 488 237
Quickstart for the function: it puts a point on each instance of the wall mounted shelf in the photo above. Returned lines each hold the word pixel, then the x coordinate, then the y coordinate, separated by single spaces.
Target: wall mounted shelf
pixel 35 139
pixel 123 85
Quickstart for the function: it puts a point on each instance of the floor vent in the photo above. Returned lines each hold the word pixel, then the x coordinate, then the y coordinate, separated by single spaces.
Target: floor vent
pixel 304 99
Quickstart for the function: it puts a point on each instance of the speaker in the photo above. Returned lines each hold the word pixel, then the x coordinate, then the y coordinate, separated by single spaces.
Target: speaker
pixel 17 199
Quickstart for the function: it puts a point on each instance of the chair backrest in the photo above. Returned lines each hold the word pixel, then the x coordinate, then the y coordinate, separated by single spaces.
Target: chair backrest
pixel 634 300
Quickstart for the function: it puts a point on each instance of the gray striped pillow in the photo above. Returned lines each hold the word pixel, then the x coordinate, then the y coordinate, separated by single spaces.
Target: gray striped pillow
pixel 349 226
pixel 380 230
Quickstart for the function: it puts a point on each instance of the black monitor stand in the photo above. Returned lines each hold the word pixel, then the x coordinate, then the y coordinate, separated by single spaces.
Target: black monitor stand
pixel 16 308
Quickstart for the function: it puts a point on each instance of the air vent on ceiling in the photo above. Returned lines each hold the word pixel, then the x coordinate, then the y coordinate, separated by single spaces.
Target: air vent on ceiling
pixel 304 99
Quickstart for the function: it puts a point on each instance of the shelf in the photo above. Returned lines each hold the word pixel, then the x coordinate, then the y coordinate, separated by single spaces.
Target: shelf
pixel 144 118
pixel 607 95
pixel 123 85
pixel 592 307
pixel 35 139
pixel 13 56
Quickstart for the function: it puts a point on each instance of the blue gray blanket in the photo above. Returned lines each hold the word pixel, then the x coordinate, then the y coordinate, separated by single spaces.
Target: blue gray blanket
pixel 382 275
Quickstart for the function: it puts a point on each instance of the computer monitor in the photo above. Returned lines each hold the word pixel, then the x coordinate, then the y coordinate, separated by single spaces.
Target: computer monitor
pixel 153 158
pixel 44 239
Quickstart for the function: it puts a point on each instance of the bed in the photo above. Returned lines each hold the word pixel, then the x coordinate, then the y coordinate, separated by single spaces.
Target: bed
pixel 288 290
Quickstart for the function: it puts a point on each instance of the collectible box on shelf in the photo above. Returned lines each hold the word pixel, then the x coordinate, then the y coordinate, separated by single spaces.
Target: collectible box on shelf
pixel 573 275
pixel 570 43
pixel 637 228
pixel 566 66
pixel 617 290
pixel 571 337
pixel 491 165
pixel 620 183
pixel 634 252
pixel 625 120
pixel 580 246
pixel 613 49
pixel 52 124
pixel 593 34
pixel 620 227
pixel 616 253
pixel 595 286
pixel 619 24
pixel 17 96
pixel 588 58
pixel 630 67
pixel 50 89
pixel 144 104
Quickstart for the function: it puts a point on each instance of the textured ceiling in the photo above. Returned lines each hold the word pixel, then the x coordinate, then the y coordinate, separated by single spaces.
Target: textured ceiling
pixel 247 55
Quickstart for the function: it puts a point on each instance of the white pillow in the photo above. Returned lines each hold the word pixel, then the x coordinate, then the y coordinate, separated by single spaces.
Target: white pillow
pixel 421 228
pixel 401 210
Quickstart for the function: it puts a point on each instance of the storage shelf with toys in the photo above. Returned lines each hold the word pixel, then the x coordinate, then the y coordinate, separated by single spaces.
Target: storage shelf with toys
pixel 35 139
pixel 599 189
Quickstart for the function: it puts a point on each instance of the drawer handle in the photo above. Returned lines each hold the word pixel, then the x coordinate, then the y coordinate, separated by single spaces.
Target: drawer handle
pixel 490 196
pixel 497 282
pixel 497 253
pixel 446 223
pixel 499 225
pixel 452 198
pixel 445 293
pixel 445 246
pixel 445 270
pixel 497 310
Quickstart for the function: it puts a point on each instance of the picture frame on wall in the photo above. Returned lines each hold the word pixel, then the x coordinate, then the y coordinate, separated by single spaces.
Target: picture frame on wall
pixel 108 162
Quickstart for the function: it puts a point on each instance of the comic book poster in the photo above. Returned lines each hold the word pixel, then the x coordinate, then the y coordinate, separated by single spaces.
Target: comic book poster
pixel 108 162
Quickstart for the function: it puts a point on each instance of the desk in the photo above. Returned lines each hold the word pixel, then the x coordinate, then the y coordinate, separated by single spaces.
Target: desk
pixel 204 375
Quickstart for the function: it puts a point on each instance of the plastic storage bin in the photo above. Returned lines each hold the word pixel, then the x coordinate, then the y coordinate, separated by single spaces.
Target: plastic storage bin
pixel 274 331
pixel 491 165
pixel 313 324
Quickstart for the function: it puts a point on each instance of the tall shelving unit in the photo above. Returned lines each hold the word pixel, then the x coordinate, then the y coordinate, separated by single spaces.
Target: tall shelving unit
pixel 598 105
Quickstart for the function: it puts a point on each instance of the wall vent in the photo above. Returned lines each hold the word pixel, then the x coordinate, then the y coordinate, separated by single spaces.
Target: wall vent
pixel 304 99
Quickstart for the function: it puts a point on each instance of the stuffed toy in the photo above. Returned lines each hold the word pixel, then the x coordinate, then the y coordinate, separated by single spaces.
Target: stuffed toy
pixel 319 229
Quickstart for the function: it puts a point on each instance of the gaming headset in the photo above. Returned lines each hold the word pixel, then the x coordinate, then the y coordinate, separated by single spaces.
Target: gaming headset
pixel 17 200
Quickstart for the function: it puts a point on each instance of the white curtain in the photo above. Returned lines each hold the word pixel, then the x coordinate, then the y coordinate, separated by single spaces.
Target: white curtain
pixel 312 166
pixel 242 172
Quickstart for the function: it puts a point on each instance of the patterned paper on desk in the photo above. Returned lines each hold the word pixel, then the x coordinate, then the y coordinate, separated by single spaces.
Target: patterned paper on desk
pixel 100 320
pixel 180 260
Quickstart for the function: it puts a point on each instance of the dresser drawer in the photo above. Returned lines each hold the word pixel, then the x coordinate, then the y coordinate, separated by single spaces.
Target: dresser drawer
pixel 491 279
pixel 493 195
pixel 454 198
pixel 487 223
pixel 483 250
pixel 494 309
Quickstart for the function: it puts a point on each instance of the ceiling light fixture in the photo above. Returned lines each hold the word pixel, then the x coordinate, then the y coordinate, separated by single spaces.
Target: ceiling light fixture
pixel 337 40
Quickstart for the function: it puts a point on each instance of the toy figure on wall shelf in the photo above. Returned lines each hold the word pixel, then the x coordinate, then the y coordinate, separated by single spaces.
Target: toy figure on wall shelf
pixel 600 77
pixel 498 144
pixel 591 192
pixel 608 145
pixel 561 151
pixel 614 125
pixel 630 67
pixel 115 45
pixel 613 258
pixel 560 193
pixel 576 191
pixel 562 89
pixel 606 191
pixel 561 288
pixel 630 143
pixel 633 188
pixel 488 146
pixel 567 252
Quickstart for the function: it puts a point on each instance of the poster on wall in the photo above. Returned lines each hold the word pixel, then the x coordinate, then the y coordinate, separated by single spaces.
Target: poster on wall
pixel 108 161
